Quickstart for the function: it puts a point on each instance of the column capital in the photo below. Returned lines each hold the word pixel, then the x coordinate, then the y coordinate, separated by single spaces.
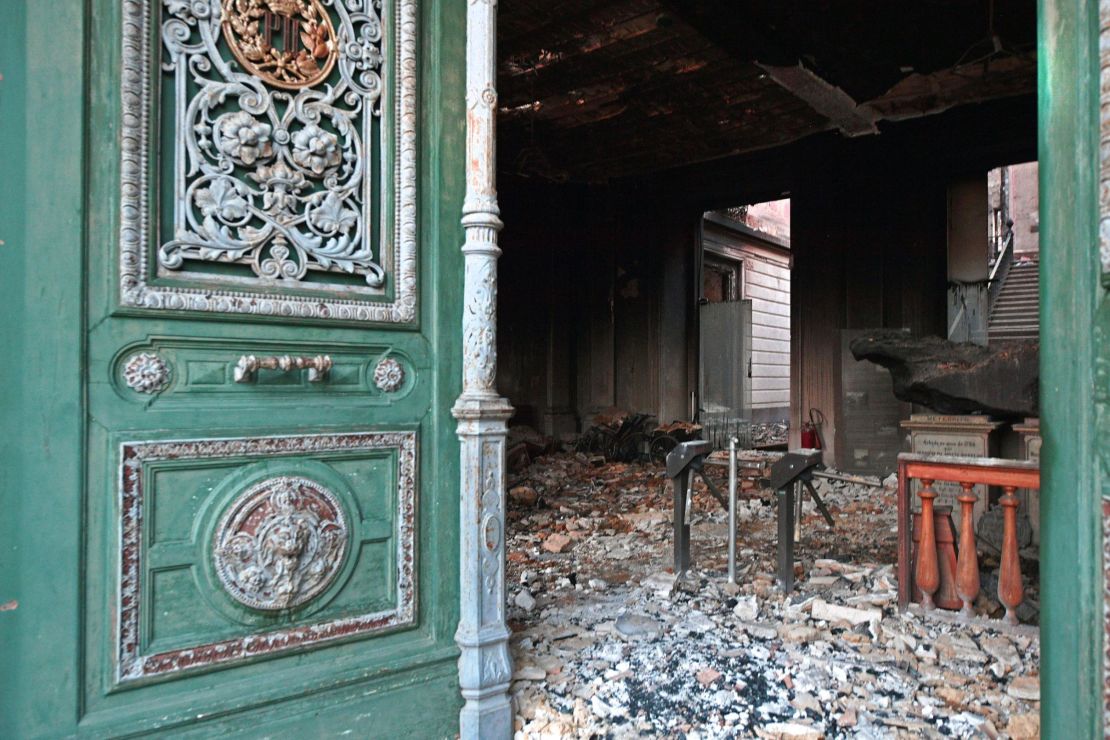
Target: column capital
pixel 481 406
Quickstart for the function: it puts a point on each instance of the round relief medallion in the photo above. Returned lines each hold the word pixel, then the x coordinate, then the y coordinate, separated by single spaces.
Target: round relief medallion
pixel 288 43
pixel 281 543
pixel 389 375
pixel 146 373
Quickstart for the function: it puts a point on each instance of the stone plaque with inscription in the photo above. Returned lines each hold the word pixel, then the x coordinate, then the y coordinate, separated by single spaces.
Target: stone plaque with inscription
pixel 963 436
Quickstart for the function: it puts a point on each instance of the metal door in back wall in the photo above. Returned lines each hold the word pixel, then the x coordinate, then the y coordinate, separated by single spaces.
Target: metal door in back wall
pixel 268 443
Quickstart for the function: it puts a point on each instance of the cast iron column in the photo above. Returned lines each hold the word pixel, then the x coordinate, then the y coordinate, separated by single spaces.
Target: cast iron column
pixel 485 668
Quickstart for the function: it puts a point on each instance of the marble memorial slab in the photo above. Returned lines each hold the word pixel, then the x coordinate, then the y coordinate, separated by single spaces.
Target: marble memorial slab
pixel 947 434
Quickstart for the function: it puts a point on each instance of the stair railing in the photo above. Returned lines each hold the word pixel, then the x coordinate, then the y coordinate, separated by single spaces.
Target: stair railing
pixel 969 324
pixel 1001 270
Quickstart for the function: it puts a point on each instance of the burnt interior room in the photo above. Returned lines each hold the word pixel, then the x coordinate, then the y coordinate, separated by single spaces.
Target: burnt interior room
pixel 621 123
pixel 628 130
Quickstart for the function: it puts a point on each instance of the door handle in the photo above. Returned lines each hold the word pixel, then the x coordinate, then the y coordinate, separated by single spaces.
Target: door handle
pixel 249 365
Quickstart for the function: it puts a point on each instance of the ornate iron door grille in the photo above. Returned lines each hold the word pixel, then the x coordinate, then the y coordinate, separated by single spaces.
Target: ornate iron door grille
pixel 292 180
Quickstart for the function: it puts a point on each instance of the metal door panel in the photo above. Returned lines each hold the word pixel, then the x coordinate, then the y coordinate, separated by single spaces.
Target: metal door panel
pixel 175 615
pixel 725 331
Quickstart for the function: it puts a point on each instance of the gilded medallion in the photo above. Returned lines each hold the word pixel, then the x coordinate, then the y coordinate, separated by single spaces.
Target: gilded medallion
pixel 286 43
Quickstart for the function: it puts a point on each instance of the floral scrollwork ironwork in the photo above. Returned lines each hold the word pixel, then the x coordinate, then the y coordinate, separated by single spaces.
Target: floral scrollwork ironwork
pixel 281 543
pixel 273 166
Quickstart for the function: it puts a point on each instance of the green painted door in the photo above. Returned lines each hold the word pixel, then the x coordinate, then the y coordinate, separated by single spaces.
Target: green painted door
pixel 230 472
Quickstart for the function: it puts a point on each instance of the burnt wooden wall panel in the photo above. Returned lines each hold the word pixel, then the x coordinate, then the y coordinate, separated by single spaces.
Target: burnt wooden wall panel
pixel 522 334
pixel 595 304
pixel 922 263
pixel 869 249
pixel 595 324
pixel 817 309
pixel 675 309
pixel 542 290
pixel 636 320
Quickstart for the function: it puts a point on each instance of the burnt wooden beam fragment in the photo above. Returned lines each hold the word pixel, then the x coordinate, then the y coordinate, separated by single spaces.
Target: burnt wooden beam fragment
pixel 956 377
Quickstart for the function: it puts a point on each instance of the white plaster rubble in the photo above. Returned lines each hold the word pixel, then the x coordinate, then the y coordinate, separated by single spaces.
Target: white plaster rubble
pixel 655 656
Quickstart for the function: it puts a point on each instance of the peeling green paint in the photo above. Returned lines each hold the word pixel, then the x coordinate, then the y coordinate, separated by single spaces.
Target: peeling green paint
pixel 1071 553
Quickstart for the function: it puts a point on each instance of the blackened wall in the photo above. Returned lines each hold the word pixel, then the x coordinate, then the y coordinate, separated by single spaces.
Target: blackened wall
pixel 595 303
pixel 598 303
pixel 869 252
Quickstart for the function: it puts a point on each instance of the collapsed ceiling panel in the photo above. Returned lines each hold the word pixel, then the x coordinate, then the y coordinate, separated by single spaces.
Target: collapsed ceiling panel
pixel 592 90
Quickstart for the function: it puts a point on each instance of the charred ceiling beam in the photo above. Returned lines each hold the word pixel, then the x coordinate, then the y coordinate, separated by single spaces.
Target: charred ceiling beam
pixel 714 111
pixel 624 87
pixel 955 143
pixel 919 95
pixel 757 42
pixel 632 60
pixel 743 33
pixel 530 54
pixel 916 96
pixel 527 25
pixel 827 99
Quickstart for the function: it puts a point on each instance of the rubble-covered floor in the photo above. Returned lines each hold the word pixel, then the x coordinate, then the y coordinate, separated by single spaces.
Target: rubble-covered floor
pixel 606 643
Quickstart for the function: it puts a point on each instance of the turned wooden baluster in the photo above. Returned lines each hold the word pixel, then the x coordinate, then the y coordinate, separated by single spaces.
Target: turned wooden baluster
pixel 967 568
pixel 927 573
pixel 1010 589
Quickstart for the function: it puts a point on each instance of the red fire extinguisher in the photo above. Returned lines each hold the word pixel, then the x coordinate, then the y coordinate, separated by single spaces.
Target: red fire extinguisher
pixel 811 430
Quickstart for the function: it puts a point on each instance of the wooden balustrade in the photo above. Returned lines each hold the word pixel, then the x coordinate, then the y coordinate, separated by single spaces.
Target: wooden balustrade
pixel 967 568
pixel 928 569
pixel 1010 475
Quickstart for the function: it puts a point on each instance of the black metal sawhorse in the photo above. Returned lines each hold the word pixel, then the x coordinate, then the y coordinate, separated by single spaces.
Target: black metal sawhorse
pixel 789 475
pixel 683 462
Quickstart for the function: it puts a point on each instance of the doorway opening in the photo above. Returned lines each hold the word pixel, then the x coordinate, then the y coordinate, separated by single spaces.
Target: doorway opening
pixel 744 325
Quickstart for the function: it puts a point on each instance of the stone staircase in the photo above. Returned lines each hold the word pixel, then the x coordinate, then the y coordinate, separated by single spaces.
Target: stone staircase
pixel 1016 313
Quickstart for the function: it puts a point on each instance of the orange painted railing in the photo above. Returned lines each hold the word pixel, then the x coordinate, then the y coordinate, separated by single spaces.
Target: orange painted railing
pixel 967 472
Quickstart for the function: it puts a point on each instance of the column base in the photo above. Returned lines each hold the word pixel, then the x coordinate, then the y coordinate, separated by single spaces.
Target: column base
pixel 485 665
pixel 485 672
pixel 487 719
